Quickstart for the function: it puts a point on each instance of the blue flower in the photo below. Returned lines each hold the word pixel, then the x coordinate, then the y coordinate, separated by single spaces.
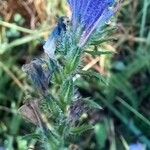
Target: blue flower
pixel 137 146
pixel 89 14
pixel 50 45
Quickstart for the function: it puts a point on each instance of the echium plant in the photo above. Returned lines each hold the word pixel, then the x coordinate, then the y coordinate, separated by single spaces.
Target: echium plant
pixel 56 106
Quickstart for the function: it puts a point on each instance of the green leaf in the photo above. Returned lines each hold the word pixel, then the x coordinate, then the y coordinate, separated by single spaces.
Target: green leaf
pixel 100 41
pixel 31 136
pixel 102 36
pixel 101 134
pixel 81 129
pixel 98 53
pixel 67 91
pixel 107 31
pixel 22 143
pixel 92 74
pixel 92 104
pixel 73 60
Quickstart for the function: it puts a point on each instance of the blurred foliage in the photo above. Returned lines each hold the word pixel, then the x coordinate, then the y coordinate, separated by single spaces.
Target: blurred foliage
pixel 125 117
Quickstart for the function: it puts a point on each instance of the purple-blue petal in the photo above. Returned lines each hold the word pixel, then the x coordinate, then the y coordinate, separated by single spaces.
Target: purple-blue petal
pixel 88 14
pixel 75 7
pixel 87 11
pixel 92 12
pixel 105 17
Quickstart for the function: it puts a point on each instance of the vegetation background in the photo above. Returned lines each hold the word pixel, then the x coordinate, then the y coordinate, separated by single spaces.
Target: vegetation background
pixel 125 118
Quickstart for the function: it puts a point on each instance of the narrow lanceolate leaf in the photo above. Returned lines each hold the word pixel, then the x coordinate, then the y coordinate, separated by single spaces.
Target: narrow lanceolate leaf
pixel 92 74
pixel 73 60
pixel 67 91
pixel 98 53
pixel 32 136
pixel 92 104
pixel 81 129
pixel 100 41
